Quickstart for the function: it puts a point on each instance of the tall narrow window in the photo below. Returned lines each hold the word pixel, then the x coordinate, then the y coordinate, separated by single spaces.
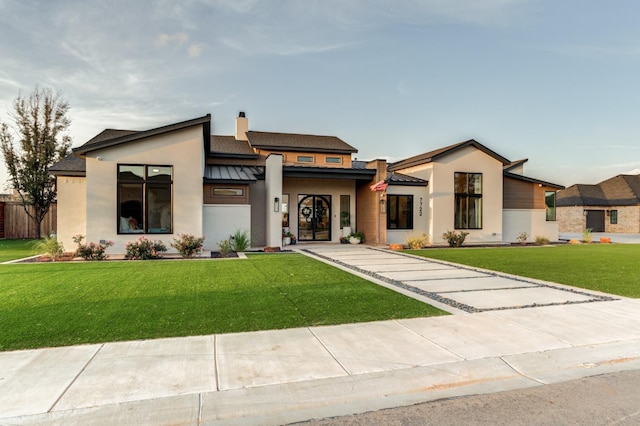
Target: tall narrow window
pixel 144 199
pixel 399 211
pixel 285 210
pixel 345 211
pixel 550 205
pixel 613 217
pixel 468 200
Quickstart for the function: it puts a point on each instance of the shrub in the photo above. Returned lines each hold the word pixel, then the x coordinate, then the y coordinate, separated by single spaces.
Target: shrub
pixel 50 246
pixel 542 240
pixel 143 249
pixel 455 239
pixel 417 242
pixel 188 245
pixel 91 251
pixel 586 235
pixel 522 237
pixel 240 241
pixel 225 248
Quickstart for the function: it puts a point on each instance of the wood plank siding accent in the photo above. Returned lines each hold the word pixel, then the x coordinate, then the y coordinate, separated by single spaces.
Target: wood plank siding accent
pixel 519 194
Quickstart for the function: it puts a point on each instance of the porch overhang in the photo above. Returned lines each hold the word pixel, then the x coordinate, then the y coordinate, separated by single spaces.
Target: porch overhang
pixel 361 175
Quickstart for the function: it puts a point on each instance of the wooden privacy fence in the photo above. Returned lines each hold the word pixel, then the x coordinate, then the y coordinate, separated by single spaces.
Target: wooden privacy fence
pixel 14 222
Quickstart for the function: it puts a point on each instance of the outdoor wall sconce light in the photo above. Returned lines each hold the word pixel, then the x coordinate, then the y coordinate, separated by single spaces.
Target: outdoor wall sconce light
pixel 383 206
pixel 276 204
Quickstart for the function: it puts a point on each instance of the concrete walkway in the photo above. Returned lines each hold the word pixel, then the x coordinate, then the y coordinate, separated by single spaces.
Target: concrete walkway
pixel 283 376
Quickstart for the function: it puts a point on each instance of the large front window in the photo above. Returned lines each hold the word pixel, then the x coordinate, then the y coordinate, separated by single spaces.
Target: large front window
pixel 468 200
pixel 399 211
pixel 144 199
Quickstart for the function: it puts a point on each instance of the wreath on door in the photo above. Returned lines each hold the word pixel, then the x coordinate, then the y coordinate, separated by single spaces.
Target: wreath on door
pixel 306 212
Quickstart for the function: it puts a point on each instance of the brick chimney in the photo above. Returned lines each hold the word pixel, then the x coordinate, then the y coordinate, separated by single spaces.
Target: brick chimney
pixel 242 126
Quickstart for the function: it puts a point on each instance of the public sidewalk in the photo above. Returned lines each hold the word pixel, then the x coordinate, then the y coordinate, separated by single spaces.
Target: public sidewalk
pixel 284 376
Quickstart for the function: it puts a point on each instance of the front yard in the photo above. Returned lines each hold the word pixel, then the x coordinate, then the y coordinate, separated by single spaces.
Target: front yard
pixel 610 268
pixel 59 304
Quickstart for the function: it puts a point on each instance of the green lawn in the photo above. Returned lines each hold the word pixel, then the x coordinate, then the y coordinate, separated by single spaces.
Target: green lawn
pixel 15 249
pixel 69 303
pixel 611 268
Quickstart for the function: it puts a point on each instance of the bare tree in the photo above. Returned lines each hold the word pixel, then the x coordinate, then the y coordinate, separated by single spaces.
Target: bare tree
pixel 41 123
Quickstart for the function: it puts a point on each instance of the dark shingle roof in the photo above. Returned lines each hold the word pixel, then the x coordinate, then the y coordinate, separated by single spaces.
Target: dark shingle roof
pixel 430 156
pixel 229 146
pixel 298 142
pixel 71 165
pixel 621 190
pixel 111 137
pixel 394 178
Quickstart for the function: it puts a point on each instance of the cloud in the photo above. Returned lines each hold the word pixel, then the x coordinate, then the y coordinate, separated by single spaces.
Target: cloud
pixel 166 39
pixel 195 50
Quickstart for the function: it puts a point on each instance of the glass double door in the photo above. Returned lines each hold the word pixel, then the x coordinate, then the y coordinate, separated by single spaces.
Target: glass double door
pixel 314 217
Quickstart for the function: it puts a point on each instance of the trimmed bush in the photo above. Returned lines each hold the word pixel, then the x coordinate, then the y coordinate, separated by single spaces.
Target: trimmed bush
pixel 143 249
pixel 91 251
pixel 455 239
pixel 188 245
pixel 417 242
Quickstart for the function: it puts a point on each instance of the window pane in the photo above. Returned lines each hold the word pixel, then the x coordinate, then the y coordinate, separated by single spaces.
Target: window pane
pixel 285 210
pixel 460 182
pixel 475 183
pixel 130 208
pixel 159 208
pixel 228 192
pixel 614 217
pixel 337 160
pixel 131 173
pixel 159 173
pixel 305 159
pixel 475 213
pixel 345 211
pixel 461 212
pixel 550 203
pixel 399 211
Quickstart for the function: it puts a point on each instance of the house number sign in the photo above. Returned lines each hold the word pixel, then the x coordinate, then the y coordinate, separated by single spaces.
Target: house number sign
pixel 420 210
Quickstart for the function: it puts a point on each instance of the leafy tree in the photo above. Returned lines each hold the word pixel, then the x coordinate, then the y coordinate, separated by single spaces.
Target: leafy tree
pixel 41 123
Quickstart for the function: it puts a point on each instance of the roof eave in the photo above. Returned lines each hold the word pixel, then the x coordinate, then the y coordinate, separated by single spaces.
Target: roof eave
pixel 532 180
pixel 84 149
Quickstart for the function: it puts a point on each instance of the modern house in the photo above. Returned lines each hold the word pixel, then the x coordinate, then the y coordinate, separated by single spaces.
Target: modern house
pixel 612 205
pixel 180 179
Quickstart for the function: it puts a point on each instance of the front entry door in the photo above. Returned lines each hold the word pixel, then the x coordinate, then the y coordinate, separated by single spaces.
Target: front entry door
pixel 314 218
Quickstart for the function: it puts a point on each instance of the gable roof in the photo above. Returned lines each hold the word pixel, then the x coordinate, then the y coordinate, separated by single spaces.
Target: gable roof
pixel 431 156
pixel 230 147
pixel 298 142
pixel 621 190
pixel 71 165
pixel 512 165
pixel 111 137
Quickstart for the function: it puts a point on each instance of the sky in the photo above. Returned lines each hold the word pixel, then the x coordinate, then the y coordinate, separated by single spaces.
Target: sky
pixel 557 82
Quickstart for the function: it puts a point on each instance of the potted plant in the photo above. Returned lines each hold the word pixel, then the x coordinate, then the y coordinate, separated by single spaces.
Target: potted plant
pixel 357 237
pixel 344 240
pixel 345 222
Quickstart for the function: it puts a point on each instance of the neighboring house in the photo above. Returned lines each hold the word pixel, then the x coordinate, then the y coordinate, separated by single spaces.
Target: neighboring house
pixel 612 205
pixel 180 179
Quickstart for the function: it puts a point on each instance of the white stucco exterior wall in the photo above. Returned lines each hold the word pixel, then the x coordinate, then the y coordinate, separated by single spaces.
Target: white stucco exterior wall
pixel 421 220
pixel 533 222
pixel 223 220
pixel 273 186
pixel 181 149
pixel 72 209
pixel 467 160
